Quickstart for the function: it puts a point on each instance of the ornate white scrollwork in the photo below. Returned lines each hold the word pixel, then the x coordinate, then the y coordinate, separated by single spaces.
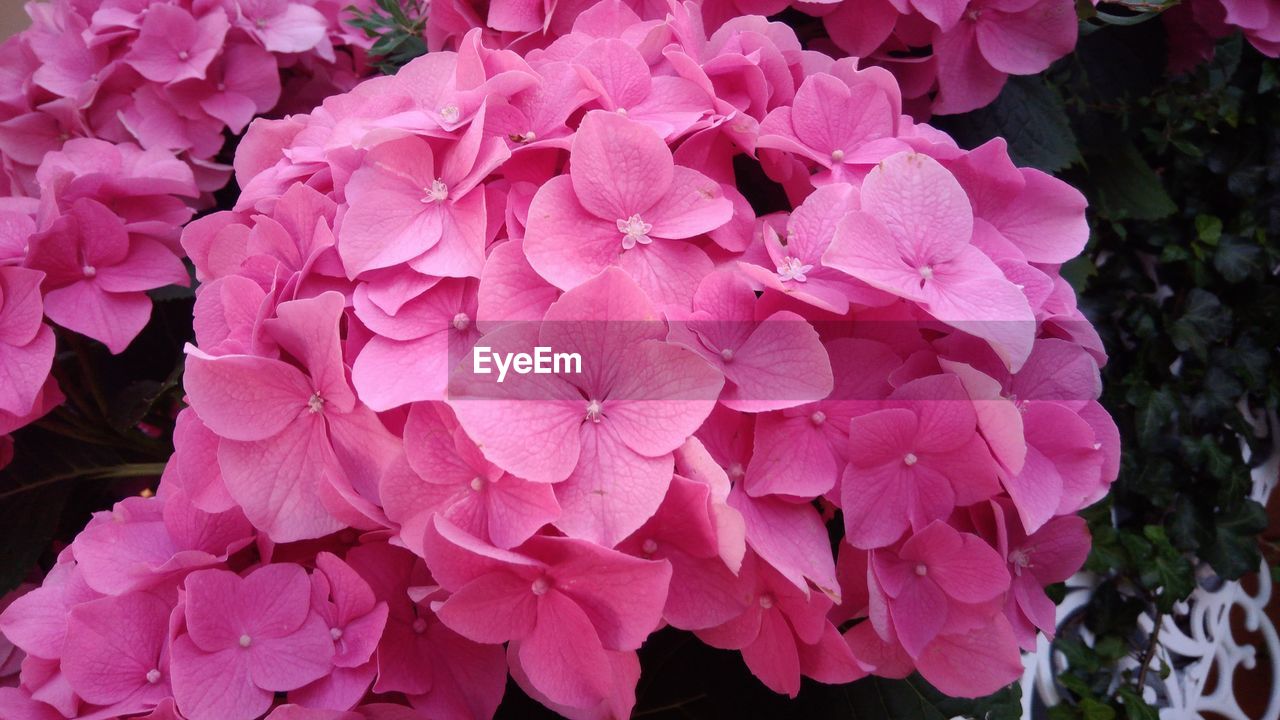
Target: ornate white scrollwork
pixel 1196 642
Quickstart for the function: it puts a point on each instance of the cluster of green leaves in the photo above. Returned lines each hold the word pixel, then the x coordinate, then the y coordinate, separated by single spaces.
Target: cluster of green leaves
pixel 1183 178
pixel 397 28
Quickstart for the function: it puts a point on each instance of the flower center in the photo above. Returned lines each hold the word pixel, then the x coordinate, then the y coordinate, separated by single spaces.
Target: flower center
pixel 461 321
pixel 634 230
pixel 153 676
pixel 910 459
pixel 649 546
pixel 245 641
pixel 735 470
pixel 335 633
pixel 316 403
pixel 89 271
pixel 594 411
pixel 477 483
pixel 183 55
pixel 540 586
pixel 818 417
pixel 438 192
pixel 766 601
pixel 727 354
pixel 1020 559
pixel 921 570
pixel 261 23
pixel 926 272
pixel 450 113
pixel 419 625
pixel 792 269
pixel 837 155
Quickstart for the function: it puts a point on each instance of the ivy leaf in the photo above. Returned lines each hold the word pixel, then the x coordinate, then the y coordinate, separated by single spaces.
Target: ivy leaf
pixel 1236 259
pixel 1203 321
pixel 1127 187
pixel 1135 708
pixel 1234 550
pixel 1030 115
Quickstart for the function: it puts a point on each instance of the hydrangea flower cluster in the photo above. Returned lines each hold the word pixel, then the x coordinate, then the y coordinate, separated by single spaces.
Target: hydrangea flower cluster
pixel 793 308
pixel 112 115
pixel 949 56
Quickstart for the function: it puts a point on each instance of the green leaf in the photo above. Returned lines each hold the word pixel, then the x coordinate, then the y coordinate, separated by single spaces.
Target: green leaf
pixel 1030 116
pixel 1126 186
pixel 1204 320
pixel 1154 416
pixel 1209 228
pixel 1237 259
pixel 1094 710
pixel 1135 708
pixel 1234 550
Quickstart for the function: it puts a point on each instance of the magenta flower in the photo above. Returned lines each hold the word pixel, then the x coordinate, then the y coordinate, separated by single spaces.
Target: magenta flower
pixel 246 639
pixel 282 26
pixel 623 83
pixel 768 364
pixel 411 353
pixel 624 203
pixel 933 569
pixel 301 425
pixel 449 477
pixel 443 673
pixel 26 343
pixel 117 652
pixel 96 274
pixel 175 46
pixel 414 203
pixel 563 603
pixel 846 118
pixel 795 260
pixel 784 633
pixel 144 542
pixel 355 619
pixel 914 462
pixel 705 591
pixel 913 238
pixel 801 451
pixel 994 39
pixel 605 435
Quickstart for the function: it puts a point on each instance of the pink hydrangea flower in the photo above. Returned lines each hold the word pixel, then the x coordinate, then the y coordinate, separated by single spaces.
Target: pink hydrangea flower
pixel 245 639
pixel 96 273
pixel 562 602
pixel 624 203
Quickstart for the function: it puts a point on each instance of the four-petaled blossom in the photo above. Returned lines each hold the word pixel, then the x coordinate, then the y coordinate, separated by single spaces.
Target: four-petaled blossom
pixel 246 638
pixel 624 203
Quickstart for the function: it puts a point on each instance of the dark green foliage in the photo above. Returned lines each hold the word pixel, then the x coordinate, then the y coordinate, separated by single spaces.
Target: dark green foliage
pixel 398 27
pixel 1179 278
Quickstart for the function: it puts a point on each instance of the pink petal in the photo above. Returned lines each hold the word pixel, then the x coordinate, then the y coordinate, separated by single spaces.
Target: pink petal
pixel 973 664
pixel 298 461
pixel 619 167
pixel 1026 42
pixel 111 318
pixel 242 397
pixel 214 686
pixel 613 490
pixel 563 658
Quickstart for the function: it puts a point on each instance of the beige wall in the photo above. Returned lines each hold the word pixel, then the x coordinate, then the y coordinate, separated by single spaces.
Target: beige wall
pixel 12 17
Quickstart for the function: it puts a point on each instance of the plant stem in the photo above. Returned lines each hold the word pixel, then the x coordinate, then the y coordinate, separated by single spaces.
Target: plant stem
pixel 127 470
pixel 1152 643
